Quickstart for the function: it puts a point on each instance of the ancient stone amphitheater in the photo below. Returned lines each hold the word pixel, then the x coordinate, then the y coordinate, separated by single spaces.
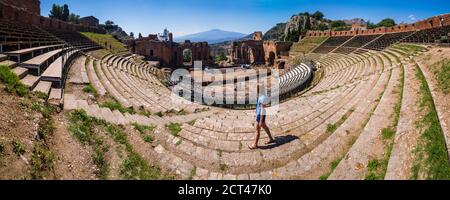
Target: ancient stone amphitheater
pixel 359 118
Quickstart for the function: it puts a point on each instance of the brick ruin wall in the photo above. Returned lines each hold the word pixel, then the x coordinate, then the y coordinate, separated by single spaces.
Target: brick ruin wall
pixel 31 6
pixel 259 52
pixel 28 12
pixel 433 22
pixel 168 53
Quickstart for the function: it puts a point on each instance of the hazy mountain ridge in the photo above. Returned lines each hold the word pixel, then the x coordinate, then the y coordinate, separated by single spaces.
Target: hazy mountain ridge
pixel 213 36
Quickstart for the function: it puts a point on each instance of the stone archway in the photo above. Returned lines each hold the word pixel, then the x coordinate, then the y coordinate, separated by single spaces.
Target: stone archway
pixel 187 57
pixel 271 59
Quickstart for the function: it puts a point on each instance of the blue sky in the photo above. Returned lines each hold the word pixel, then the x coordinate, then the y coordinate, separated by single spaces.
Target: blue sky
pixel 246 16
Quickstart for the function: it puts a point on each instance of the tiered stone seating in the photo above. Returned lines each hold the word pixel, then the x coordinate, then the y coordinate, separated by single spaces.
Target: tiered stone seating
pixel 356 95
pixel 215 134
pixel 331 43
pixel 75 39
pixel 305 45
pixel 294 79
pixel 387 40
pixel 39 57
pixel 355 43
pixel 134 86
pixel 16 36
pixel 434 35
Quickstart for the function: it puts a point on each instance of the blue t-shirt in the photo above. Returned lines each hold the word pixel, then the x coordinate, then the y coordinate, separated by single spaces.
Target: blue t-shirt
pixel 262 99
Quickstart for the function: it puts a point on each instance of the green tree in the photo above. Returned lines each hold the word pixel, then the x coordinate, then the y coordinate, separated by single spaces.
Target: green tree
pixel 307 23
pixel 187 56
pixel 371 25
pixel 132 34
pixel 323 27
pixel 65 13
pixel 56 12
pixel 388 22
pixel 337 23
pixel 221 57
pixel 73 18
pixel 318 15
pixel 109 23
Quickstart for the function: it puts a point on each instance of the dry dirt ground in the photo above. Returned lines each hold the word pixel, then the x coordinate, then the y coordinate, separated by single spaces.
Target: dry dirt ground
pixel 17 123
pixel 74 160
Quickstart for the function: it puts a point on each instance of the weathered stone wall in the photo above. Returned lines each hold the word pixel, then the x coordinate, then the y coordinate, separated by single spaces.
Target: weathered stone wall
pixel 258 35
pixel 168 53
pixel 31 6
pixel 90 21
pixel 432 22
pixel 258 51
pixel 28 12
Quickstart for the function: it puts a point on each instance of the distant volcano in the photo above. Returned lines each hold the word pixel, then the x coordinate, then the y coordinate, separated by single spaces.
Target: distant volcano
pixel 212 36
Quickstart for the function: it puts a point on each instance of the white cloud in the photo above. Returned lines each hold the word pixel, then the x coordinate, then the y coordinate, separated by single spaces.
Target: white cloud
pixel 412 17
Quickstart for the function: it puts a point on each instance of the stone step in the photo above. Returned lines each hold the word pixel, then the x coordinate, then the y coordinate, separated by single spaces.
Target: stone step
pixel 20 71
pixel 30 80
pixel 44 87
pixel 369 144
pixel 55 97
pixel 3 57
pixel 93 78
pixel 405 141
pixel 9 63
pixel 70 102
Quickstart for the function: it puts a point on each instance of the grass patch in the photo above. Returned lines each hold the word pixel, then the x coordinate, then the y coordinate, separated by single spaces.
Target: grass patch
pixel 148 139
pixel 12 82
pixel 333 166
pixel 331 128
pixel 335 163
pixel 82 127
pixel 199 110
pixel 431 152
pixel 18 147
pixel 113 104
pixel 441 71
pixel 159 114
pixel 145 132
pixel 223 167
pixel 193 173
pixel 387 133
pixel 41 95
pixel 325 176
pixel 143 129
pixel 134 166
pixel 106 41
pixel 45 128
pixel 410 48
pixel 42 161
pixel 144 112
pixel 307 44
pixel 174 128
pixel 91 90
pixel 376 169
